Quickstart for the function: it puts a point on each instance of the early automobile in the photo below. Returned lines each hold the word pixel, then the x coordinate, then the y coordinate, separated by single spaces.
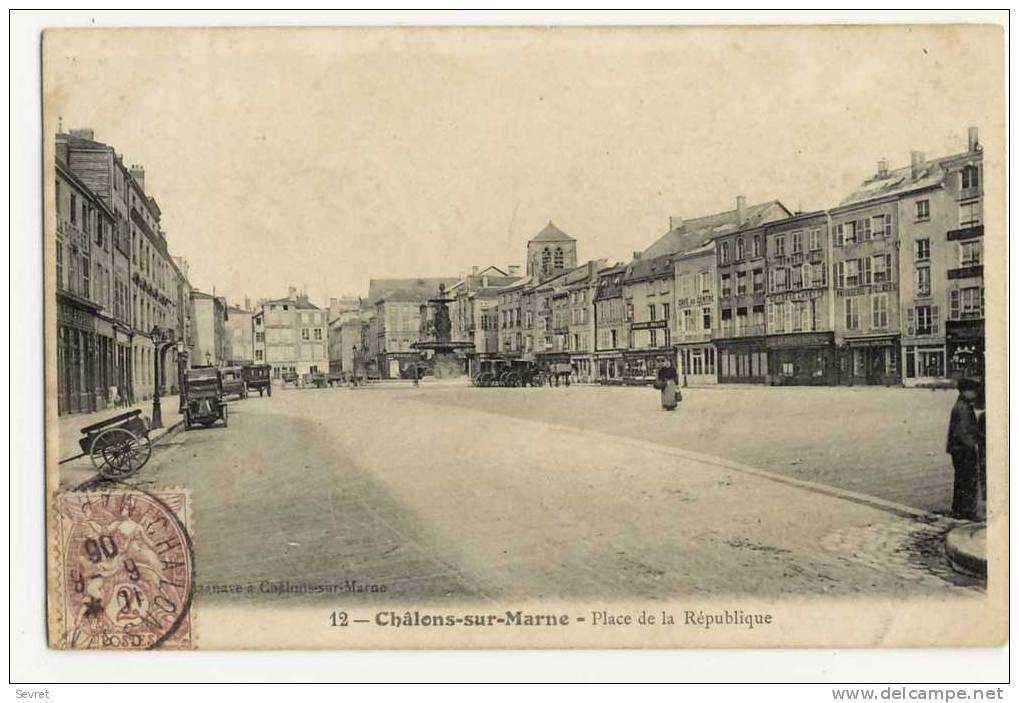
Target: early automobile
pixel 291 377
pixel 258 377
pixel 233 381
pixel 203 397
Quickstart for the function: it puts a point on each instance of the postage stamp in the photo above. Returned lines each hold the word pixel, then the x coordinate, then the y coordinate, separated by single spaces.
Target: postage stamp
pixel 126 569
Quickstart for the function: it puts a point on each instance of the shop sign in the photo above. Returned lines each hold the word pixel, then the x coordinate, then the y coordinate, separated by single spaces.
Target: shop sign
pixel 649 325
pixel 797 295
pixel 800 340
pixel 876 342
pixel 864 290
pixel 699 300
pixel 75 317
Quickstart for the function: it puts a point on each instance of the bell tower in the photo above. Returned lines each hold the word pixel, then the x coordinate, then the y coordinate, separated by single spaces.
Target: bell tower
pixel 550 252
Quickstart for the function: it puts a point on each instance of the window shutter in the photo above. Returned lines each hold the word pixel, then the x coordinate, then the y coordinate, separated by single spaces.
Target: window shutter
pixel 934 319
pixel 910 321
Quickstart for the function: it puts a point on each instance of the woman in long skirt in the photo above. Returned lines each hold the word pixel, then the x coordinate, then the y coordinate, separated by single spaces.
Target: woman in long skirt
pixel 668 382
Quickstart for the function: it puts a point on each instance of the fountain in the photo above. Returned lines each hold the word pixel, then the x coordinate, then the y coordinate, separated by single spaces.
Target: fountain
pixel 443 360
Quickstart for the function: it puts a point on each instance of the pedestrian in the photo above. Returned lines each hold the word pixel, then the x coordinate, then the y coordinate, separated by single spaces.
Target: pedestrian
pixel 963 445
pixel 667 382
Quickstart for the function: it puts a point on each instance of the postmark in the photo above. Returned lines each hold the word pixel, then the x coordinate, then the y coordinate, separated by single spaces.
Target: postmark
pixel 126 568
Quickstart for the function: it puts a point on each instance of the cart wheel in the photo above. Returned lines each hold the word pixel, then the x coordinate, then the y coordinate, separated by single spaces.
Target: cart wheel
pixel 117 453
pixel 226 411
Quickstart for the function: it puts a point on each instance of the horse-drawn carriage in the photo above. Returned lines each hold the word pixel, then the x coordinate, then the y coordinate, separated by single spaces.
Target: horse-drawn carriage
pixel 258 378
pixel 510 373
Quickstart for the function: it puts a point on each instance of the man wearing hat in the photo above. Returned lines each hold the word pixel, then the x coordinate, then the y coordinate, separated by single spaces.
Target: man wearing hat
pixel 964 446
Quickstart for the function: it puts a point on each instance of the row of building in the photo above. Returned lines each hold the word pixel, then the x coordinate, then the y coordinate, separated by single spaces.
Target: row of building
pixel 884 288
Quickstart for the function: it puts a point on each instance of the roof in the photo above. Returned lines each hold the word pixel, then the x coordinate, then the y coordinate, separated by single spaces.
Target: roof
pixel 422 287
pixel 551 233
pixel 404 296
pixel 897 182
pixel 641 269
pixel 298 303
pixel 236 308
pixel 692 234
pixel 708 248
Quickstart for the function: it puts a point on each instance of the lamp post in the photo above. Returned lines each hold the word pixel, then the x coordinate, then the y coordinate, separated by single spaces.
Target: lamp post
pixel 181 366
pixel 157 408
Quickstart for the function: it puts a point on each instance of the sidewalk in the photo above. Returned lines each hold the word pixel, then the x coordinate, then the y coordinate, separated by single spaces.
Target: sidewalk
pixel 70 426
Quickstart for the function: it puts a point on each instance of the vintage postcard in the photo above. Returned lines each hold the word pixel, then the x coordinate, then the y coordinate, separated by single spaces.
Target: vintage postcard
pixel 525 337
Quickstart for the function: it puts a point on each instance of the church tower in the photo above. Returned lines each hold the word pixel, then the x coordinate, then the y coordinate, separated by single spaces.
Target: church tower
pixel 550 252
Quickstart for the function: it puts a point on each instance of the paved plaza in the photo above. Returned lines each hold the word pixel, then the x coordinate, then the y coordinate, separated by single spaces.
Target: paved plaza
pixel 450 492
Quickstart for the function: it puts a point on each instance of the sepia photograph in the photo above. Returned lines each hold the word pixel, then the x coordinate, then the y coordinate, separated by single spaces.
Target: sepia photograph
pixel 525 337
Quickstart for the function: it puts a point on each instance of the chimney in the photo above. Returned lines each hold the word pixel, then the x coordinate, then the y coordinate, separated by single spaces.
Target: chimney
pixel 882 168
pixel 247 303
pixel 291 292
pixel 741 209
pixel 675 222
pixel 916 163
pixel 84 133
pixel 138 173
pixel 974 141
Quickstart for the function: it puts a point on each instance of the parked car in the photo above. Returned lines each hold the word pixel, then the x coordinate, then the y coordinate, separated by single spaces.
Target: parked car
pixel 203 397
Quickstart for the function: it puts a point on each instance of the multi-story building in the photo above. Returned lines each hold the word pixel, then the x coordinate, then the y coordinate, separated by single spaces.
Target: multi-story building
pixel 86 341
pixel 209 317
pixel 649 299
pixel 239 329
pixel 294 333
pixel 511 311
pixel 399 316
pixel 800 302
pixel 865 276
pixel 941 268
pixel 696 316
pixel 611 324
pixel 144 282
pixel 581 285
pixel 740 251
pixel 473 312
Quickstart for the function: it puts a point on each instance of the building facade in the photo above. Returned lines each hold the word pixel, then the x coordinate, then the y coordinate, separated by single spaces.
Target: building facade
pixel 800 327
pixel 239 332
pixel 211 342
pixel 611 325
pixel 648 298
pixel 696 317
pixel 295 335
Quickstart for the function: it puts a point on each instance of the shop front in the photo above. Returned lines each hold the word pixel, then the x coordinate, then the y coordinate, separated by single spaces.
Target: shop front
pixel 964 344
pixel 609 367
pixel 801 359
pixel 742 360
pixel 76 354
pixel 583 368
pixel 641 366
pixel 871 361
pixel 698 363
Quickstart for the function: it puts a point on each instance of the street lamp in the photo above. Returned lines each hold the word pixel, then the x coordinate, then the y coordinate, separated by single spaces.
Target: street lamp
pixel 181 366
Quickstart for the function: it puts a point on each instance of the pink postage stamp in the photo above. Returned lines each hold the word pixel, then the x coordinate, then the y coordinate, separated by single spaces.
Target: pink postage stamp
pixel 126 569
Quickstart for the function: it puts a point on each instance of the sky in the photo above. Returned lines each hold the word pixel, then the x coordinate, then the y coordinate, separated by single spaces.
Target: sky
pixel 321 158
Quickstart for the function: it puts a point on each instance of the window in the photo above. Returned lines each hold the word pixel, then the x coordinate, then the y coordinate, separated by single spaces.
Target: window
pixel 629 312
pixel 706 318
pixel 797 242
pixel 852 273
pixel 85 276
pixel 882 226
pixel 780 245
pixel 654 338
pixel 779 279
pixel 74 209
pixel 966 304
pixel 705 282
pixel 923 210
pixel 814 239
pixel 969 214
pixel 922 249
pixel 863 229
pixel 969 253
pixel 304 333
pixel 758 280
pixel 852 314
pixel 741 283
pixel 796 277
pixel 970 177
pixel 318 334
pixel 651 311
pixel 923 281
pixel 558 259
pixel 726 285
pixel 757 245
pixel 724 252
pixel 665 311
pixel 259 336
pixel 818 275
pixel 866 267
pixel 739 249
pixel 687 321
pixel 776 317
pixel 258 355
pixel 879 310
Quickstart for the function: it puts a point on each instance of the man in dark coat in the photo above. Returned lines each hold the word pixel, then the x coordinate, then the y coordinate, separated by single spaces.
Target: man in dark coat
pixel 964 444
